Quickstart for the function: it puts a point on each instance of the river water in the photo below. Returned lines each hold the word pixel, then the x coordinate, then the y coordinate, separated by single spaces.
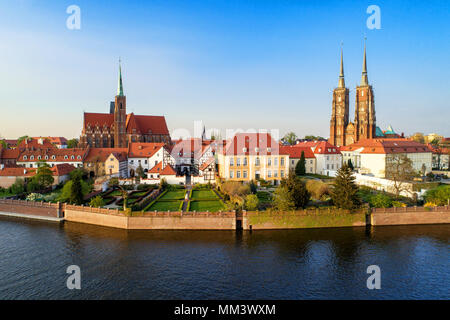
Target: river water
pixel 286 264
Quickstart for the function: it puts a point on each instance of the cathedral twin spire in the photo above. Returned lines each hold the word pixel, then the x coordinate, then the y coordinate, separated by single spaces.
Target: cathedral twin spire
pixel 364 78
pixel 120 85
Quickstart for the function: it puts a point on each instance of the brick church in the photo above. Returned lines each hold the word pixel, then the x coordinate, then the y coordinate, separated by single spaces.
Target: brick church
pixel 342 131
pixel 117 128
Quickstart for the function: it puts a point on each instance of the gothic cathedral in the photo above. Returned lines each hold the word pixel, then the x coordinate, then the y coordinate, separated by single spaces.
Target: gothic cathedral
pixel 342 131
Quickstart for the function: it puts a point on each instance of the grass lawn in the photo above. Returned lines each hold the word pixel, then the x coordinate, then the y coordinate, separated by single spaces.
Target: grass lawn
pixel 206 205
pixel 115 193
pixel 174 195
pixel 203 194
pixel 165 206
pixel 138 194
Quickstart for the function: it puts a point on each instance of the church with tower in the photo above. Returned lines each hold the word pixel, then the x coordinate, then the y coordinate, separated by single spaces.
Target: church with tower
pixel 342 131
pixel 117 129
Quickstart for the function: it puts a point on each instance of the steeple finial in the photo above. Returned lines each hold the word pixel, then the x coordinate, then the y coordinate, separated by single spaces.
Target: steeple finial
pixel 364 79
pixel 341 74
pixel 120 85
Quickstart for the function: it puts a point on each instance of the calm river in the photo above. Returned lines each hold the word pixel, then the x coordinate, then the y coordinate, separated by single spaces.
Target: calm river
pixel 296 264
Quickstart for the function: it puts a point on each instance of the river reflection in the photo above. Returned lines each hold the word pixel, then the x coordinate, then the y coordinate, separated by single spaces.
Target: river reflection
pixel 284 264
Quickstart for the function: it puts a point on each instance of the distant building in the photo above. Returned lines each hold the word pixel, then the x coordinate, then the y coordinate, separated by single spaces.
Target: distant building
pixel 117 129
pixel 295 153
pixel 371 156
pixel 328 157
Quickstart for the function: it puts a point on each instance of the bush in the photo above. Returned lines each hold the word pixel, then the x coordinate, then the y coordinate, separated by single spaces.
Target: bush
pixel 439 195
pixel 317 189
pixel 291 194
pixel 398 204
pixel 17 187
pixel 251 202
pixel 381 201
pixel 97 202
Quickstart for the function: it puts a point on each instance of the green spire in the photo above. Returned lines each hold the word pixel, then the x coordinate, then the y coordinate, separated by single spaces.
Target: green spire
pixel 120 85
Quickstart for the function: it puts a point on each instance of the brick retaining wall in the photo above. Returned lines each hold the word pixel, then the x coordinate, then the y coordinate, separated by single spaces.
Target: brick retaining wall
pixel 43 209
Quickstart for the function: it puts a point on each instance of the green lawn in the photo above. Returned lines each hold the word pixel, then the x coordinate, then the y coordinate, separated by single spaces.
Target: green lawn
pixel 165 206
pixel 115 193
pixel 204 195
pixel 174 195
pixel 206 205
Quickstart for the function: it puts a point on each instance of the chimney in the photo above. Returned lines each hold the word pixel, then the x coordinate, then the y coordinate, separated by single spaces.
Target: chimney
pixel 140 147
pixel 24 171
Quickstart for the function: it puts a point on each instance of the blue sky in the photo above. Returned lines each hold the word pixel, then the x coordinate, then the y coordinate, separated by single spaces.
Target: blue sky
pixel 232 64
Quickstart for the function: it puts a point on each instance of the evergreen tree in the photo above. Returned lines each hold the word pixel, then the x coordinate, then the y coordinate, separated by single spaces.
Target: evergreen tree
pixel 300 168
pixel 350 164
pixel 76 191
pixel 345 191
pixel 291 194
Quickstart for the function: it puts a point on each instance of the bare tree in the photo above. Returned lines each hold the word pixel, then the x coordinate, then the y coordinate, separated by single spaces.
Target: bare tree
pixel 400 170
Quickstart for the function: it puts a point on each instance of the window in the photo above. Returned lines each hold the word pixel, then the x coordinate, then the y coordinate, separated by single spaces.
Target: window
pixel 231 174
pixel 238 161
pixel 292 161
pixel 282 173
pixel 282 161
pixel 131 161
pixel 256 149
pixel 53 157
pixel 79 157
pixel 269 162
pixel 310 161
pixel 39 157
pixel 328 167
pixel 231 162
pixel 275 174
pixel 275 161
pixel 256 161
pixel 245 161
pixel 244 149
pixel 72 157
pixel 238 174
pixel 269 174
pixel 66 157
pixel 46 157
pixel 328 157
pixel 31 157
pixel 269 149
pixel 145 161
pixel 244 173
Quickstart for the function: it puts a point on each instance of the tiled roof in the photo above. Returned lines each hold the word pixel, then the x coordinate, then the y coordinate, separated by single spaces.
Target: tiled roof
pixel 99 119
pixel 62 169
pixel 207 163
pixel 101 154
pixel 168 171
pixel 387 146
pixel 33 144
pixel 157 168
pixel 143 149
pixel 10 153
pixel 252 144
pixel 295 151
pixel 120 156
pixel 53 155
pixel 54 140
pixel 324 147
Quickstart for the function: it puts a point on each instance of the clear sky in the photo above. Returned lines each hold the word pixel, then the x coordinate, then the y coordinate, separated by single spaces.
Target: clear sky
pixel 233 64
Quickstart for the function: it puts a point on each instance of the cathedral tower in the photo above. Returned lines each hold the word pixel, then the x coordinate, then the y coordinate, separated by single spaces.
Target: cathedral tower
pixel 340 110
pixel 365 121
pixel 120 115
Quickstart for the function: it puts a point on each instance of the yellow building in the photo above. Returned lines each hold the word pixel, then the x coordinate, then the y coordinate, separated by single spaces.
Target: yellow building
pixel 116 164
pixel 253 156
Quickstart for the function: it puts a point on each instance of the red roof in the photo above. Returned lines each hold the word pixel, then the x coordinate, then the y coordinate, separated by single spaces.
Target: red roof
pixel 9 153
pixel 33 144
pixel 135 123
pixel 102 153
pixel 62 169
pixel 120 156
pixel 387 146
pixel 143 149
pixel 53 155
pixel 207 163
pixel 252 144
pixel 157 168
pixel 324 147
pixel 168 171
pixel 295 152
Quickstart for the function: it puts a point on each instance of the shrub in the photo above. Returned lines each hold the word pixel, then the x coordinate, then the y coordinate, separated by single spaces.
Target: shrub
pixel 381 200
pixel 439 195
pixel 398 204
pixel 317 189
pixel 345 192
pixel 97 202
pixel 291 194
pixel 251 202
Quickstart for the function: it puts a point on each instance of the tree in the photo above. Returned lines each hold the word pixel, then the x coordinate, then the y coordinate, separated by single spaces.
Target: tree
pixel 113 182
pixel 72 143
pixel 21 139
pixel 140 173
pixel 17 187
pixel 251 202
pixel 440 195
pixel 418 137
pixel 350 164
pixel 253 187
pixel 345 191
pixel 44 175
pixel 300 168
pixel 314 138
pixel 289 138
pixel 3 144
pixel 97 202
pixel 400 170
pixel 76 191
pixel 435 142
pixel 291 194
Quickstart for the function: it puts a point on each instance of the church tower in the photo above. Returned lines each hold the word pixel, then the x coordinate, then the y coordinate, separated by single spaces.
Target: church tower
pixel 340 110
pixel 365 121
pixel 120 115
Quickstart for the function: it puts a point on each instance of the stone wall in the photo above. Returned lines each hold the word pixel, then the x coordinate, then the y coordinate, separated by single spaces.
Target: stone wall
pixel 152 220
pixel 302 219
pixel 410 215
pixel 32 208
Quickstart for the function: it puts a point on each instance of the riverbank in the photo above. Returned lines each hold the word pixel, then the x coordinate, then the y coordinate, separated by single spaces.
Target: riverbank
pixel 259 220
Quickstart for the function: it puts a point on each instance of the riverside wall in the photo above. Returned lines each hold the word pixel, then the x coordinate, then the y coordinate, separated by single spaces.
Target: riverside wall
pixel 311 218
